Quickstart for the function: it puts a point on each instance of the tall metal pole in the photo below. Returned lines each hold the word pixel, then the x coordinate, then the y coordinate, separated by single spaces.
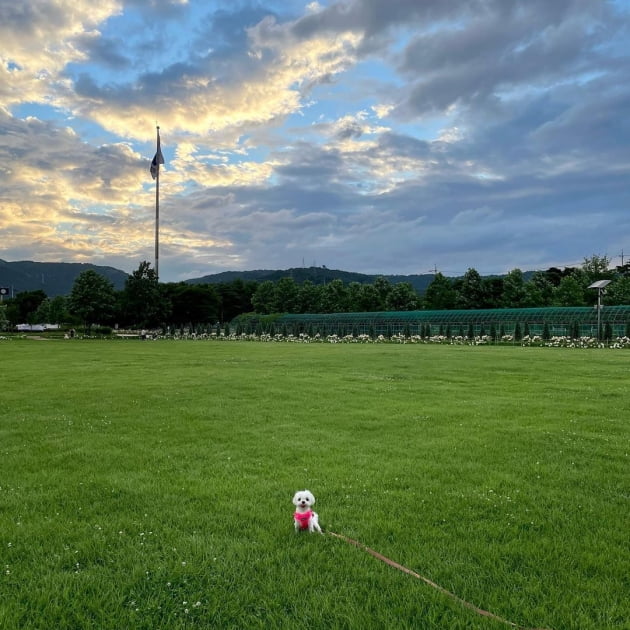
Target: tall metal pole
pixel 600 285
pixel 157 208
pixel 599 314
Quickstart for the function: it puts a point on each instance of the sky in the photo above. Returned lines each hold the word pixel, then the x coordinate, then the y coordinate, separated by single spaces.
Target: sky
pixel 374 136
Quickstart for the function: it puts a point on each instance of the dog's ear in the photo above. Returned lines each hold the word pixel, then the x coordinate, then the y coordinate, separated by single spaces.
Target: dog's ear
pixel 295 498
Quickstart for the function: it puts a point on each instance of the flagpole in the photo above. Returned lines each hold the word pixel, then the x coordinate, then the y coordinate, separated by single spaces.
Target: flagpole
pixel 157 208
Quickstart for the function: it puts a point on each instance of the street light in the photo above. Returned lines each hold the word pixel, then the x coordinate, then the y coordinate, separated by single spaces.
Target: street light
pixel 600 285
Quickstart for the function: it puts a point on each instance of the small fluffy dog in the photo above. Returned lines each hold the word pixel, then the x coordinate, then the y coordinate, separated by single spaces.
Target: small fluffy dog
pixel 304 517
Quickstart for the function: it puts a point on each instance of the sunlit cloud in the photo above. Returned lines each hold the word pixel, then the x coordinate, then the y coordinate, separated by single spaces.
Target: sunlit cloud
pixel 382 136
pixel 39 39
pixel 269 87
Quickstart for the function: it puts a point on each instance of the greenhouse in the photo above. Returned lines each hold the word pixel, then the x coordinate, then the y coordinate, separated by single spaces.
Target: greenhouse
pixel 551 321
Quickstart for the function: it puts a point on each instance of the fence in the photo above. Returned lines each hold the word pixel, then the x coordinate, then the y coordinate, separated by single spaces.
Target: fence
pixel 554 321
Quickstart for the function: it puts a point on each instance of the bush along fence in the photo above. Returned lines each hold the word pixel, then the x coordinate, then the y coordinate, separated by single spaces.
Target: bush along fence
pixel 577 327
pixel 534 340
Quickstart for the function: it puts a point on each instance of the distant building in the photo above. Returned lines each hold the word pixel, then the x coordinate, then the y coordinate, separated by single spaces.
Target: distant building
pixel 36 327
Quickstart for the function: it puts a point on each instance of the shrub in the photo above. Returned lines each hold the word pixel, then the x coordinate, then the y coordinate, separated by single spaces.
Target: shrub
pixel 518 335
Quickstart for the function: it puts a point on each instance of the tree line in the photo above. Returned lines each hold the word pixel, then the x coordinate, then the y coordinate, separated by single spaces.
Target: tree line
pixel 142 303
pixel 553 287
pixel 146 303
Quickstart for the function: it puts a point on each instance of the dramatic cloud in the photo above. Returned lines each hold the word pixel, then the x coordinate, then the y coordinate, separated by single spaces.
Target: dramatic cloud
pixel 39 39
pixel 383 136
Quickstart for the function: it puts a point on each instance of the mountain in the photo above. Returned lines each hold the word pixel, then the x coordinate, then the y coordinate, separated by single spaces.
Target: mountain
pixel 57 278
pixel 317 275
pixel 52 278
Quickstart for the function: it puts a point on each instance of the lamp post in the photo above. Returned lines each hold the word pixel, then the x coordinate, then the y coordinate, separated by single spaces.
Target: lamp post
pixel 600 285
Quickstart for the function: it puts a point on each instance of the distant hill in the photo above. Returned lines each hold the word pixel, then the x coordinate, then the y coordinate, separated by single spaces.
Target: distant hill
pixel 52 278
pixel 58 278
pixel 317 275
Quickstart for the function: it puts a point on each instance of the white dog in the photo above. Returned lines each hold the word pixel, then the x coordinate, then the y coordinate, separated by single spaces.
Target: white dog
pixel 304 517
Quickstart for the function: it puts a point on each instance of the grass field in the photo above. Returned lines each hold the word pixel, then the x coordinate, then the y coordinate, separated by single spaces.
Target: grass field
pixel 149 484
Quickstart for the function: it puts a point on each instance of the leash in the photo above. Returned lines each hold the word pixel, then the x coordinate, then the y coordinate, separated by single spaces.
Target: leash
pixel 400 567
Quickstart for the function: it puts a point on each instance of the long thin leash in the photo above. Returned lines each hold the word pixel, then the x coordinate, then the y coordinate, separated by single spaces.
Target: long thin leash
pixel 400 567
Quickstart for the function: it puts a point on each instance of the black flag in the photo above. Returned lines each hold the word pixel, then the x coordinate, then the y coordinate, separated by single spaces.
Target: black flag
pixel 158 159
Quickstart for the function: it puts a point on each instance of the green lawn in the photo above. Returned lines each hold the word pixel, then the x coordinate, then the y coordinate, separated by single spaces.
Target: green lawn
pixel 149 485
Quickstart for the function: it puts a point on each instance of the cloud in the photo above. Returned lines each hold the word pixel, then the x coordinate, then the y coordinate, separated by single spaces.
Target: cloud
pixel 103 50
pixel 65 194
pixel 39 39
pixel 475 216
pixel 373 17
pixel 231 89
pixel 381 136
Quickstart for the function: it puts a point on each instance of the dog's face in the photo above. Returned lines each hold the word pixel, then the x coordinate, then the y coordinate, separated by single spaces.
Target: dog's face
pixel 303 499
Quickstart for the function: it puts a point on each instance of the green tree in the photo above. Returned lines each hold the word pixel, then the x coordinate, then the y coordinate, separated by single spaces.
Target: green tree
pixel 608 331
pixel 42 314
pixel 518 335
pixel 570 291
pixel 235 298
pixel 575 330
pixel 193 304
pixel 555 275
pixel 514 291
pixel 264 297
pixel 334 297
pixel 59 310
pixel 286 297
pixel 382 288
pixel 53 311
pixel 597 267
pixel 370 299
pixel 491 292
pixel 92 299
pixel 21 309
pixel 402 297
pixel 4 320
pixel 308 297
pixel 355 297
pixel 143 300
pixel 546 333
pixel 470 293
pixel 618 291
pixel 440 294
pixel 538 290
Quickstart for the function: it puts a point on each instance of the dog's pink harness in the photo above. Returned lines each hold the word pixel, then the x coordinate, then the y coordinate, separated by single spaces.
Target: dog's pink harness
pixel 302 518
